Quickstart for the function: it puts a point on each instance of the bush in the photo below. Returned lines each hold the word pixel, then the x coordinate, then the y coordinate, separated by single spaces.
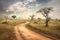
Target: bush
pixel 4 22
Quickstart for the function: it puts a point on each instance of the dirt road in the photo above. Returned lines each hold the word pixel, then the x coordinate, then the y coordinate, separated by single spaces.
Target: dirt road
pixel 23 33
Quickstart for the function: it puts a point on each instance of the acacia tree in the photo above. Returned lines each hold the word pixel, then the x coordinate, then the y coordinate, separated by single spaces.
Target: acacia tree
pixel 13 16
pixel 45 12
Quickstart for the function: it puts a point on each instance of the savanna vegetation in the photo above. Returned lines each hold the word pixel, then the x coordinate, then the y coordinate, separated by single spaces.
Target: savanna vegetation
pixel 53 28
pixel 46 26
pixel 43 26
pixel 7 28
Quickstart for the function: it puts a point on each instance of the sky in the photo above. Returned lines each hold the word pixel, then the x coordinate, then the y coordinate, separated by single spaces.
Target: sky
pixel 26 8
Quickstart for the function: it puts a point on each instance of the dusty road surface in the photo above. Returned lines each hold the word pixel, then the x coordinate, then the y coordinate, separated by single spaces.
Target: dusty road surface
pixel 23 33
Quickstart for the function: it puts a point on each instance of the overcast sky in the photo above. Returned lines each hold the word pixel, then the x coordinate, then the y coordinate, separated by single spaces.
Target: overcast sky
pixel 25 8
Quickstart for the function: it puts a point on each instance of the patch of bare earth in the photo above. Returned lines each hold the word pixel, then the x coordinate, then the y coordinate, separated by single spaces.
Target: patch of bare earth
pixel 23 33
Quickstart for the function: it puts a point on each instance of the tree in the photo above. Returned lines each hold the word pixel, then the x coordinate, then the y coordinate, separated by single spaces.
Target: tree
pixel 32 17
pixel 13 16
pixel 45 12
pixel 6 20
pixel 6 17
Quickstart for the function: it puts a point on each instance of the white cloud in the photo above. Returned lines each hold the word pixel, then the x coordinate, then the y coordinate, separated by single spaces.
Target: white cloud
pixel 22 8
pixel 31 0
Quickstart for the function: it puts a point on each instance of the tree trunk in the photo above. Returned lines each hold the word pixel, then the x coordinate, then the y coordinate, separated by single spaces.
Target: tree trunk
pixel 6 20
pixel 46 20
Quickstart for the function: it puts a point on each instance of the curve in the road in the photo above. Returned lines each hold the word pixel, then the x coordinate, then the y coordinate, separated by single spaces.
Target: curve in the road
pixel 23 33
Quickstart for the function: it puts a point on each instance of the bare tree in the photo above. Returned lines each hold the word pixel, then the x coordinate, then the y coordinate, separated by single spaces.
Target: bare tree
pixel 32 17
pixel 6 20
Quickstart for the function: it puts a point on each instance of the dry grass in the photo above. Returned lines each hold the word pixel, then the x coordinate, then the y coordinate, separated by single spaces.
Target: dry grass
pixel 7 29
pixel 6 32
pixel 54 27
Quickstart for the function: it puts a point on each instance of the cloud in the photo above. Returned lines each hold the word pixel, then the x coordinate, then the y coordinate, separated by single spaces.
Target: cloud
pixel 30 7
pixel 56 6
pixel 30 0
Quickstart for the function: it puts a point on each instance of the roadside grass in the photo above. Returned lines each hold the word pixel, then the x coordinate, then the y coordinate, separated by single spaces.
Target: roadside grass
pixel 52 29
pixel 6 32
pixel 7 29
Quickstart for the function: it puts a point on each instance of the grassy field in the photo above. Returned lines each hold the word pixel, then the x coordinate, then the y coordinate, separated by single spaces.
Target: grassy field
pixel 7 29
pixel 52 29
